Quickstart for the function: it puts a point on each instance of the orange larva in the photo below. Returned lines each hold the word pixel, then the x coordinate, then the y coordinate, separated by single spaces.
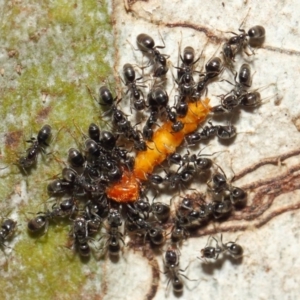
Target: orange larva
pixel 164 143
pixel 126 190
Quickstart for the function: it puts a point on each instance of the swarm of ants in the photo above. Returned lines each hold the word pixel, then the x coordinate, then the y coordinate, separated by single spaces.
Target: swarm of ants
pixel 104 190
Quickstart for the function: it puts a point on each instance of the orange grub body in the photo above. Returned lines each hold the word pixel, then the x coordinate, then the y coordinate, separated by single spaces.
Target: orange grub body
pixel 163 144
pixel 126 190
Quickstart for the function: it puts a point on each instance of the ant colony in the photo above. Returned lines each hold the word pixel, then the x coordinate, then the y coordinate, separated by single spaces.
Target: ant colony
pixel 109 192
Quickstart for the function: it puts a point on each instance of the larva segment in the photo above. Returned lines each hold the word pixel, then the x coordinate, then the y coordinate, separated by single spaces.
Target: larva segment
pixel 126 190
pixel 165 142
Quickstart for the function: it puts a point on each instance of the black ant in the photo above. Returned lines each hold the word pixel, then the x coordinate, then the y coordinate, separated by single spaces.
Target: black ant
pixel 239 41
pixel 220 209
pixel 138 142
pixel 156 235
pixel 247 100
pixel 102 143
pixel 142 205
pixel 185 78
pixel 200 163
pixel 148 128
pixel 173 179
pixel 239 93
pixel 209 252
pixel 244 82
pixel 179 230
pixel 219 186
pixel 37 146
pixel 160 211
pixel 155 179
pixel 171 262
pixel 108 140
pixel 197 215
pixel 226 132
pixel 106 97
pixel 237 196
pixel 181 107
pixel 114 235
pixel 41 222
pixel 121 122
pixel 158 99
pixel 218 183
pixel 136 93
pixel 147 45
pixel 250 99
pixel 92 149
pixel 212 69
pixel 75 158
pixel 79 182
pixel 193 138
pixel 137 222
pixel 223 132
pixel 59 186
pixel 256 35
pixel 94 132
pixel 97 209
pixel 8 228
pixel 80 235
pixel 102 166
pixel 68 207
pixel 105 140
pixel 187 212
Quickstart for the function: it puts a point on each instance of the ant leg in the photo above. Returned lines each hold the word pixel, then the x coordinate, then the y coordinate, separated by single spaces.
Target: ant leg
pixel 179 49
pixel 187 277
pixel 221 170
pixel 231 32
pixel 240 27
pixel 164 46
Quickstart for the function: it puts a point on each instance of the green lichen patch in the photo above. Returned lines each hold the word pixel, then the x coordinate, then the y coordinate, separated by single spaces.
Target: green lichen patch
pixel 51 54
